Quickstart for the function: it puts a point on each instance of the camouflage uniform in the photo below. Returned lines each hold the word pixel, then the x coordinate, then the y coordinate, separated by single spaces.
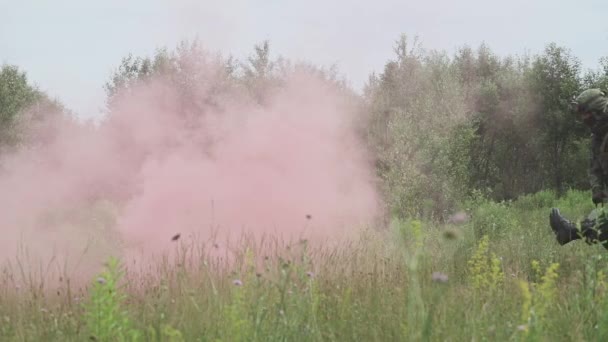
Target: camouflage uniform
pixel 592 107
pixel 597 176
pixel 595 102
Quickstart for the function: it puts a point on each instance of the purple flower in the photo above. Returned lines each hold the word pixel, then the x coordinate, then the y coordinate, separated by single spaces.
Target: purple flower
pixel 237 282
pixel 439 277
pixel 310 274
pixel 458 218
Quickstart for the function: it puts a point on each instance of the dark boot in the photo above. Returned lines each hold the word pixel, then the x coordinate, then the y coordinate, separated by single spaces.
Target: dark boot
pixel 565 231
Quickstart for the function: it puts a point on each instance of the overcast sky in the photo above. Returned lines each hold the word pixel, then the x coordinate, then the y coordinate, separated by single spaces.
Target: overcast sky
pixel 69 48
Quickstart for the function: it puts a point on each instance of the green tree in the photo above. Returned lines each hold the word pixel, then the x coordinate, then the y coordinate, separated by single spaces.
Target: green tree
pixel 21 106
pixel 597 78
pixel 415 106
pixel 444 128
pixel 554 80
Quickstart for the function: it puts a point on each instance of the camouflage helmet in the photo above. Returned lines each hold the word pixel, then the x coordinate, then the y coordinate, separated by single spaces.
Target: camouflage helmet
pixel 591 100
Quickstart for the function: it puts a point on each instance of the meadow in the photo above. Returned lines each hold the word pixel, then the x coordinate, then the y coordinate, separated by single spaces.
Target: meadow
pixel 497 275
pixel 461 156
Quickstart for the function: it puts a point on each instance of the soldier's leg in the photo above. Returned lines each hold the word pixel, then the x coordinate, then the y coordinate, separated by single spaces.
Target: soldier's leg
pixel 594 234
pixel 564 230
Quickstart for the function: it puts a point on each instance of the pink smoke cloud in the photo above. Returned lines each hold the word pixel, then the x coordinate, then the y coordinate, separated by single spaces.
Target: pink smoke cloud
pixel 159 165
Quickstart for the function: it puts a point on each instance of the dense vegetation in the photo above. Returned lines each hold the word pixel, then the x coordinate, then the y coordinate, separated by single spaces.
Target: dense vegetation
pixel 492 136
pixel 22 107
pixel 445 127
pixel 498 277
pixel 442 127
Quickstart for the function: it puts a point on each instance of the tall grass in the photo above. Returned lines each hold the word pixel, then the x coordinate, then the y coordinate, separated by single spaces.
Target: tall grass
pixel 500 276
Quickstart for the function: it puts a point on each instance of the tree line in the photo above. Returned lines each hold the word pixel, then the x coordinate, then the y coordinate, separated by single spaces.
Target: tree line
pixel 442 127
pixel 446 128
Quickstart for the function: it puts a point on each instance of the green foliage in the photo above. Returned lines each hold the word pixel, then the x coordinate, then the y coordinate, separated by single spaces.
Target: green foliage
pixel 496 219
pixel 440 127
pixel 409 283
pixel 538 301
pixel 412 235
pixel 415 106
pixel 106 317
pixel 444 127
pixel 597 78
pixel 555 80
pixel 260 65
pixel 491 135
pixel 15 94
pixel 21 105
pixel 485 267
pixel 538 200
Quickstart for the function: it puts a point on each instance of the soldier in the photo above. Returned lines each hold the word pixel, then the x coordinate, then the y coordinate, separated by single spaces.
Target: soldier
pixel 591 107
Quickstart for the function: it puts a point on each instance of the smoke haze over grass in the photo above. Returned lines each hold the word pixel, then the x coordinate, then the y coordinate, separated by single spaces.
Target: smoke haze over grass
pixel 164 163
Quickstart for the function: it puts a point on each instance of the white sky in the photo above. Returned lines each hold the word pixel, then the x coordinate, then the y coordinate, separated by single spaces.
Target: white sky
pixel 69 48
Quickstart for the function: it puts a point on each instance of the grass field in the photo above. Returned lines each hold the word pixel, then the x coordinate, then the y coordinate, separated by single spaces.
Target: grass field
pixel 499 276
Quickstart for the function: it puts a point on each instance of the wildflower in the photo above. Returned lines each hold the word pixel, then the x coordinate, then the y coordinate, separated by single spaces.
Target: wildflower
pixel 310 274
pixel 522 327
pixel 237 282
pixel 101 280
pixel 459 218
pixel 439 277
pixel 485 267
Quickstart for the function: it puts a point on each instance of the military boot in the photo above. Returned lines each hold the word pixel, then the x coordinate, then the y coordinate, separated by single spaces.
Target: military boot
pixel 565 231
